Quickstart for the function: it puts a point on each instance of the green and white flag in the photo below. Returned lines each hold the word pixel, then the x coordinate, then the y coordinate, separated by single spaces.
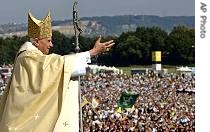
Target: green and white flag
pixel 127 100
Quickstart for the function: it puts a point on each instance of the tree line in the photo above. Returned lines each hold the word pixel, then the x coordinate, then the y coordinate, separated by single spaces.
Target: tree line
pixel 131 48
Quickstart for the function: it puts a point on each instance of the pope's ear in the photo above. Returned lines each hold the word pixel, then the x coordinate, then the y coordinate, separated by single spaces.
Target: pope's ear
pixel 36 40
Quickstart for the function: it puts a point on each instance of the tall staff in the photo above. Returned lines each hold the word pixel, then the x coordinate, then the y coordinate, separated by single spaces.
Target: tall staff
pixel 77 32
pixel 77 29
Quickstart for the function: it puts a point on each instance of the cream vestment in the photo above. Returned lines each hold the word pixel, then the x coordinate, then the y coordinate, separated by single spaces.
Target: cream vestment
pixel 41 97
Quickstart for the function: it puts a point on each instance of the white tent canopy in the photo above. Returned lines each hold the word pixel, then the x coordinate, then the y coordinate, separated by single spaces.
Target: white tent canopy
pixel 95 68
pixel 184 69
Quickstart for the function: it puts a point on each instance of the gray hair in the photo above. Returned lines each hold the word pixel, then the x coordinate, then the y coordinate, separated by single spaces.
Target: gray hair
pixel 32 40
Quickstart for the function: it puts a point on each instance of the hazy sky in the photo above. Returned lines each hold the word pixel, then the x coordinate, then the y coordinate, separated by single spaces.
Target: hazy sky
pixel 16 10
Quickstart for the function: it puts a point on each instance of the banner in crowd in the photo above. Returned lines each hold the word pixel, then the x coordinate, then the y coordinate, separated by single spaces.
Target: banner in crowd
pixel 127 100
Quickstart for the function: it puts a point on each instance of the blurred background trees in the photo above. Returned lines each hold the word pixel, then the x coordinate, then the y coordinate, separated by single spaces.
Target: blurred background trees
pixel 131 48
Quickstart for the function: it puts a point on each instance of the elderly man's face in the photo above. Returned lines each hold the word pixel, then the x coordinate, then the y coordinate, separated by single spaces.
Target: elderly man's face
pixel 44 45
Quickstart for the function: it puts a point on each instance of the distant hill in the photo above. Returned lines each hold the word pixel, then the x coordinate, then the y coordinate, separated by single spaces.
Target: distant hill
pixel 106 25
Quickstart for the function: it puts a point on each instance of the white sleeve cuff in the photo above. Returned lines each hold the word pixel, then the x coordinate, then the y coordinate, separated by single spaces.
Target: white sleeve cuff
pixel 81 63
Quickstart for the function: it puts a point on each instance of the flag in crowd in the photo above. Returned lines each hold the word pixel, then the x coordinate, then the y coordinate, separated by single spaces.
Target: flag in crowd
pixel 84 101
pixel 95 102
pixel 127 99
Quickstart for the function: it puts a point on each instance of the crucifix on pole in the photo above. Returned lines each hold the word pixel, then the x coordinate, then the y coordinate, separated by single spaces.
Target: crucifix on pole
pixel 77 29
pixel 77 32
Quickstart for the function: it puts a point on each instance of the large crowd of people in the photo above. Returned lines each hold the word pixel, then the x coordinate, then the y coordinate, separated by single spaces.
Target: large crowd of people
pixel 5 73
pixel 166 102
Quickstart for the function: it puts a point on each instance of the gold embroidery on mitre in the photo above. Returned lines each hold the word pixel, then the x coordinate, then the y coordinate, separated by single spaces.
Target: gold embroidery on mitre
pixel 39 29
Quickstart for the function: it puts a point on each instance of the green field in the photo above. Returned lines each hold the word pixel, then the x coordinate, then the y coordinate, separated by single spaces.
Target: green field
pixel 127 70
